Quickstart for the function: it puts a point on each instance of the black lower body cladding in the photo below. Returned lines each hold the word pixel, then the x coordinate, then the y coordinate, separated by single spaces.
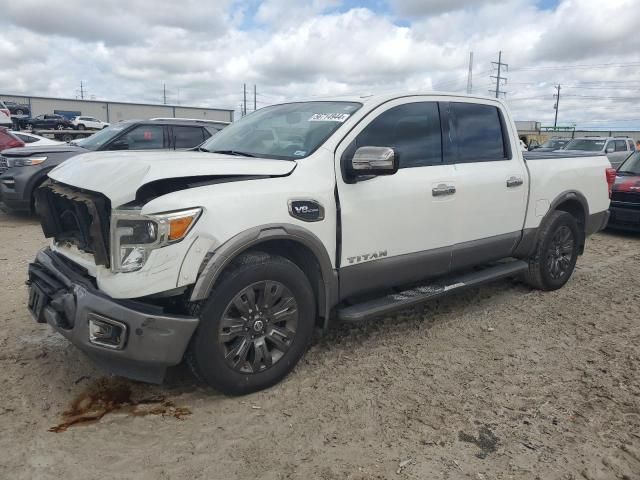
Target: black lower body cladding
pixel 78 217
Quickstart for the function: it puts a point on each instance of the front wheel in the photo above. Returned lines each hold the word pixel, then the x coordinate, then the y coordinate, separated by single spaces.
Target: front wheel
pixel 556 253
pixel 255 326
pixel 81 127
pixel 59 127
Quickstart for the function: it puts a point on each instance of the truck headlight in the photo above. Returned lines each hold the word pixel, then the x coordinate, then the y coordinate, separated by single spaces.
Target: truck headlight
pixel 135 236
pixel 25 161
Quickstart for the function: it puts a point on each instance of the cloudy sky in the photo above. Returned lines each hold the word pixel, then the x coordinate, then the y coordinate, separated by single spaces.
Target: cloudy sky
pixel 204 50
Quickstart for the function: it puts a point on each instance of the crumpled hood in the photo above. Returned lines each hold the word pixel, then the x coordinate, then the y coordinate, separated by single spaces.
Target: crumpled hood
pixel 118 175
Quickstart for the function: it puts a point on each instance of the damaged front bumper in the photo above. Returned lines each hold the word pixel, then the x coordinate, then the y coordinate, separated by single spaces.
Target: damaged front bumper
pixel 128 338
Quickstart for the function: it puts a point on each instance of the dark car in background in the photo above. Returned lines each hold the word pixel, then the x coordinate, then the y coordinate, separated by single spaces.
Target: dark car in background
pixel 18 108
pixel 8 140
pixel 22 170
pixel 46 121
pixel 625 197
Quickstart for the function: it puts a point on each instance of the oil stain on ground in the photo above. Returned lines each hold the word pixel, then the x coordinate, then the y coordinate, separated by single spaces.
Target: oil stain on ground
pixel 486 440
pixel 107 395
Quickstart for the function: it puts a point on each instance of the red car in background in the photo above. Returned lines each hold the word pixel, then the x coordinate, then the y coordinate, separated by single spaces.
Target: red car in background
pixel 9 140
pixel 625 197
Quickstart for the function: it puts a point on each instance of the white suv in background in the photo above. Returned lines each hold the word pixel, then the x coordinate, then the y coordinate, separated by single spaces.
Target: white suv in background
pixel 88 123
pixel 5 116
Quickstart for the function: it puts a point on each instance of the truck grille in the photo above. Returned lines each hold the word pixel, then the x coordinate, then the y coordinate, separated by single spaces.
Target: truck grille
pixel 4 165
pixel 75 217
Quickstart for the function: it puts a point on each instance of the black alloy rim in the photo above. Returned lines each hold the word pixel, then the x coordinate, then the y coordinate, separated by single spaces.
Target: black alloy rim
pixel 258 326
pixel 560 253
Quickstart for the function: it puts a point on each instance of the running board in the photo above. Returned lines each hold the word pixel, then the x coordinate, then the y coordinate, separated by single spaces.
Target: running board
pixel 415 296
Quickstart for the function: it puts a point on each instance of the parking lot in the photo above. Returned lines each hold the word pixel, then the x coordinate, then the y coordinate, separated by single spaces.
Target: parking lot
pixel 497 382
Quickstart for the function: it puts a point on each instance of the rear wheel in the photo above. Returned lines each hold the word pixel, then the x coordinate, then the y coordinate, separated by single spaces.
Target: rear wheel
pixel 81 127
pixel 29 126
pixel 556 253
pixel 59 126
pixel 255 326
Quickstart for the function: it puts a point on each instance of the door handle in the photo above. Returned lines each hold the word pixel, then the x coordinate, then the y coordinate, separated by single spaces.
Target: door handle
pixel 443 189
pixel 514 182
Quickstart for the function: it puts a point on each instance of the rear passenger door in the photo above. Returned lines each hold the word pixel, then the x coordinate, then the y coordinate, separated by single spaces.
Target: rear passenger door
pixel 491 183
pixel 396 229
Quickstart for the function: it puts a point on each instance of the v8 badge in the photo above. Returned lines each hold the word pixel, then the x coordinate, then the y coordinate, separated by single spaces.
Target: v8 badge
pixel 306 210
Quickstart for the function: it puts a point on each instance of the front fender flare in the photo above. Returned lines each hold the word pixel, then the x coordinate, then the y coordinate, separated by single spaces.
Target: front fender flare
pixel 217 260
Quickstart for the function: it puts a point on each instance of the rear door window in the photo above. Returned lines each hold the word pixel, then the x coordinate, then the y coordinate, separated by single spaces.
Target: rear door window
pixel 187 137
pixel 479 132
pixel 412 130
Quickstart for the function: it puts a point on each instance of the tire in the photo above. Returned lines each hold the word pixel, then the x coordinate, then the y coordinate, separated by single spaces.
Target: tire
pixel 556 253
pixel 233 351
pixel 81 127
pixel 29 126
pixel 60 127
pixel 19 112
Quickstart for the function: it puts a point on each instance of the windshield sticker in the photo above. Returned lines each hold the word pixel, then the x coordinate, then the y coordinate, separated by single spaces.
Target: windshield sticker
pixel 300 153
pixel 329 117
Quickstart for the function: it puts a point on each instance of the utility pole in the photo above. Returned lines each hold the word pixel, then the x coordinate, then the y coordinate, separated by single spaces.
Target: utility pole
pixel 556 105
pixel 244 110
pixel 470 75
pixel 164 93
pixel 81 90
pixel 255 98
pixel 499 78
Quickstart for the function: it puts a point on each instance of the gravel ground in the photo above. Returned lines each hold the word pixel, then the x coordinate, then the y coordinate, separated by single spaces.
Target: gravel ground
pixel 498 382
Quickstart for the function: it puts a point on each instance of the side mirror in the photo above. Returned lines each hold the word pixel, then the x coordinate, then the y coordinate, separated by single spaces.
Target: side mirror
pixel 374 161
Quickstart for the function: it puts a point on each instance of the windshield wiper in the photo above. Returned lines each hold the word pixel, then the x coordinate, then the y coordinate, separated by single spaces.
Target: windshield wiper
pixel 626 172
pixel 232 152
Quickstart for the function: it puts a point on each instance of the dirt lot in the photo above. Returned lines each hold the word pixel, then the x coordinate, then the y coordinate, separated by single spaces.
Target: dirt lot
pixel 499 382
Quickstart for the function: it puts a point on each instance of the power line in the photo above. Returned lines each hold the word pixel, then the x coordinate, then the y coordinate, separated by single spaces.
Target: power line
pixel 571 67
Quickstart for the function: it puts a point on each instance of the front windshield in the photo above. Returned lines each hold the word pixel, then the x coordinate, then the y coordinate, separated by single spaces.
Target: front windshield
pixel 95 141
pixel 289 132
pixel 631 165
pixel 585 145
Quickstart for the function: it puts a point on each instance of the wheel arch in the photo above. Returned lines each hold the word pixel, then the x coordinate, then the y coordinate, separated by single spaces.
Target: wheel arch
pixel 296 243
pixel 576 205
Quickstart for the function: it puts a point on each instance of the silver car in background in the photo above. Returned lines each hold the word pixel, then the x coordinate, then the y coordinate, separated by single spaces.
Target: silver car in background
pixel 617 149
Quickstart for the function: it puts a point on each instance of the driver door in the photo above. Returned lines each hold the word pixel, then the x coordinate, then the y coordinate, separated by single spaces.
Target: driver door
pixel 396 229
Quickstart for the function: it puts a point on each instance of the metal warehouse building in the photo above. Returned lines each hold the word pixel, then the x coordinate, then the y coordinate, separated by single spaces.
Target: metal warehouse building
pixel 115 111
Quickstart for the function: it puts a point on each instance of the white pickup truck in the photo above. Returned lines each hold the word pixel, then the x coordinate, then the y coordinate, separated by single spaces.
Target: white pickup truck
pixel 296 215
